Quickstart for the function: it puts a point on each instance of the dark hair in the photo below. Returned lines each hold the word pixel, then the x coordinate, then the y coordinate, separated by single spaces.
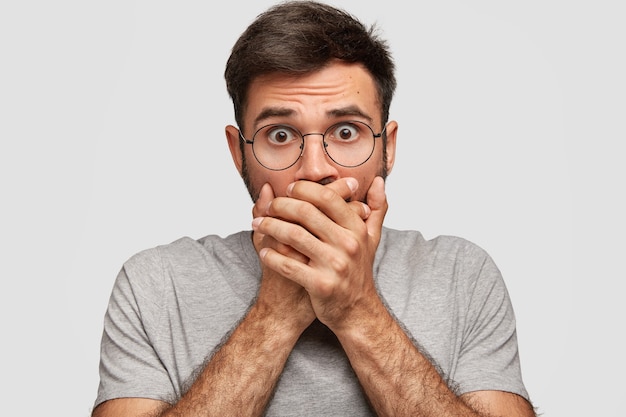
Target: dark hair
pixel 299 37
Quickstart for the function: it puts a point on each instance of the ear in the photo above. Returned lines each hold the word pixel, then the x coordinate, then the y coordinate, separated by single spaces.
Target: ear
pixel 234 144
pixel 392 132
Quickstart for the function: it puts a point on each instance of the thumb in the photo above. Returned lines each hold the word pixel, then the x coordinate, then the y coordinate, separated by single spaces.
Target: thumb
pixel 266 195
pixel 377 202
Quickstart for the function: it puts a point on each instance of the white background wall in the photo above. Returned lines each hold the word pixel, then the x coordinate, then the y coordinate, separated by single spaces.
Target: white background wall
pixel 511 129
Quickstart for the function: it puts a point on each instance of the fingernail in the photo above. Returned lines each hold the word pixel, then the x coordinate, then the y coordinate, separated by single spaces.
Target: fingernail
pixel 256 222
pixel 353 184
pixel 262 253
pixel 290 187
pixel 367 210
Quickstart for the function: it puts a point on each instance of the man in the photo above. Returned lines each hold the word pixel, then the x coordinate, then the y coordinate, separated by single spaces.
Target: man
pixel 320 310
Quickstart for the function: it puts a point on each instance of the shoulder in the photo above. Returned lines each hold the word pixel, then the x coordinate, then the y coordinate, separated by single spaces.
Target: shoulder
pixel 151 267
pixel 187 250
pixel 444 258
pixel 149 263
pixel 441 248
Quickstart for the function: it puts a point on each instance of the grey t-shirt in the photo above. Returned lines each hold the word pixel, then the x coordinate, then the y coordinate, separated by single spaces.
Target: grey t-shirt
pixel 172 305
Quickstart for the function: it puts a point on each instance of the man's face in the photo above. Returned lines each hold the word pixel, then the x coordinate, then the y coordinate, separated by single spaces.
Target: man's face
pixel 312 103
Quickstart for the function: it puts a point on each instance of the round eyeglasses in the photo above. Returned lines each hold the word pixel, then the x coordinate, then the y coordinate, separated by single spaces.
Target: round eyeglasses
pixel 279 146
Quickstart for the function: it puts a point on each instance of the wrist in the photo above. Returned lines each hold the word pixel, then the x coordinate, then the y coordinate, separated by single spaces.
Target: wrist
pixel 284 327
pixel 363 322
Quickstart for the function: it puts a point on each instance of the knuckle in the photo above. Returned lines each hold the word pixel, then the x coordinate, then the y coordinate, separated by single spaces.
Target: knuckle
pixel 325 288
pixel 298 235
pixel 304 211
pixel 289 268
pixel 282 248
pixel 264 225
pixel 327 195
pixel 352 246
pixel 340 265
pixel 276 205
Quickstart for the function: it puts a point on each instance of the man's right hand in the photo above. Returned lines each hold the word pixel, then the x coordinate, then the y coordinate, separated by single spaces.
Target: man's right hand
pixel 279 295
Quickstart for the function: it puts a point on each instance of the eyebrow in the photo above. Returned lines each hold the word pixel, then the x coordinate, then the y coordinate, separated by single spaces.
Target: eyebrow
pixel 349 111
pixel 270 112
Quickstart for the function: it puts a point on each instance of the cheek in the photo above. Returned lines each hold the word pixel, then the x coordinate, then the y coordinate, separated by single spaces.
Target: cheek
pixel 279 180
pixel 364 175
pixel 280 186
pixel 364 186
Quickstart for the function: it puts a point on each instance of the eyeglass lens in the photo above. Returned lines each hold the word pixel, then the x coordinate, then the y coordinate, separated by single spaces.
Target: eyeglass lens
pixel 349 144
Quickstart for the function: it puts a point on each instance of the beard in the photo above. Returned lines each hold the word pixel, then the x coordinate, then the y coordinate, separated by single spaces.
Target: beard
pixel 245 175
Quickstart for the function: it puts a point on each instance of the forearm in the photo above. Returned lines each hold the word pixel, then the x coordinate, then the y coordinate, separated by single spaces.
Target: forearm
pixel 397 378
pixel 240 377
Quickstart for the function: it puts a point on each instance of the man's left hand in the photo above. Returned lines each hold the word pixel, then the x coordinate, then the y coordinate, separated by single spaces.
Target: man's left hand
pixel 338 238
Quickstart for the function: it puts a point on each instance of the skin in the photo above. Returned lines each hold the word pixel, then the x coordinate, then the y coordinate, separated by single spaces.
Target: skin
pixel 317 252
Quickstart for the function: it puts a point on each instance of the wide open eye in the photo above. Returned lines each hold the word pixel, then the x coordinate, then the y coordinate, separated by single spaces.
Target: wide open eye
pixel 345 132
pixel 279 135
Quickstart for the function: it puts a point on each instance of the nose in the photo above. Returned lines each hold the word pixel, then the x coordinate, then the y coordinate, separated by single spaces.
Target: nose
pixel 314 164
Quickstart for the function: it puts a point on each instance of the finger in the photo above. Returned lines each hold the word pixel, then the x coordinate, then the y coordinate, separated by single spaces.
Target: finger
pixel 297 220
pixel 285 266
pixel 266 195
pixel 286 250
pixel 345 187
pixel 289 234
pixel 361 209
pixel 377 202
pixel 283 237
pixel 328 199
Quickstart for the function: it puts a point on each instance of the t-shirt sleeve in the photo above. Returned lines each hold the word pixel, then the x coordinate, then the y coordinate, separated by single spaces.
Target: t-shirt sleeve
pixel 129 365
pixel 489 357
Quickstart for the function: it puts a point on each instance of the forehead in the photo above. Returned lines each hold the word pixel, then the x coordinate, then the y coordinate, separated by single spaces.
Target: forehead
pixel 333 91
